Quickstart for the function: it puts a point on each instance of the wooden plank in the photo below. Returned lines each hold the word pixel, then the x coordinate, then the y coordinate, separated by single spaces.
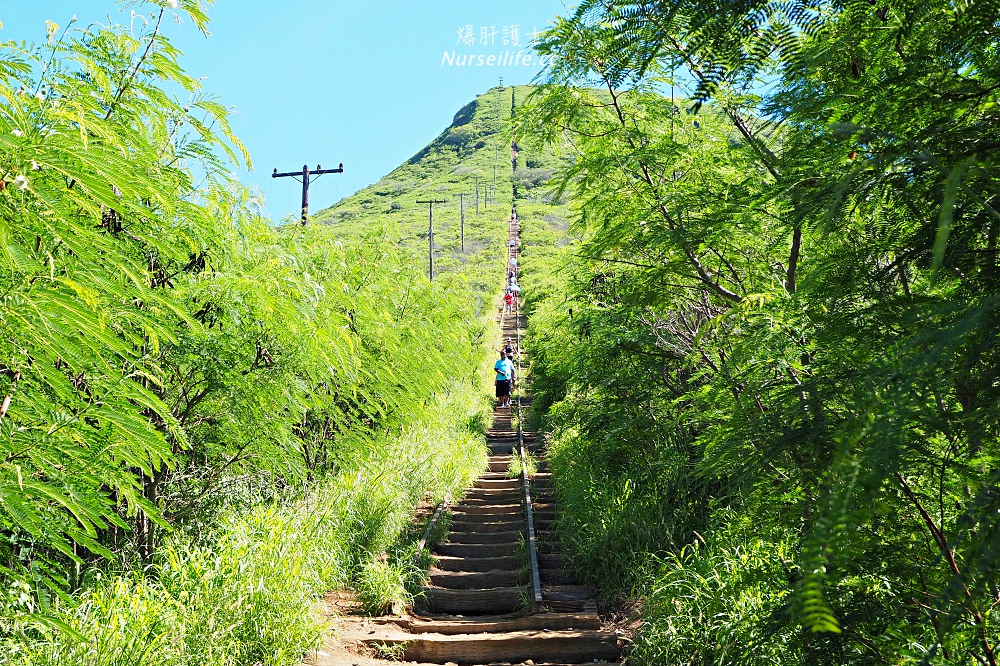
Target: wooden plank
pixel 483 601
pixel 479 550
pixel 448 563
pixel 469 580
pixel 539 646
pixel 550 647
pixel 500 497
pixel 505 525
pixel 481 537
pixel 498 484
pixel 567 593
pixel 498 624
pixel 503 509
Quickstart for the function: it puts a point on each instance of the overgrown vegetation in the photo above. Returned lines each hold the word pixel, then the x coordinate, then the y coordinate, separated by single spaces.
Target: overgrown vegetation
pixel 515 467
pixel 206 422
pixel 770 363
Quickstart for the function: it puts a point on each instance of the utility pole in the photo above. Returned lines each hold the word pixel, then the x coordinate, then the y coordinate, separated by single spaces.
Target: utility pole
pixel 461 205
pixel 496 159
pixel 477 196
pixel 307 177
pixel 430 234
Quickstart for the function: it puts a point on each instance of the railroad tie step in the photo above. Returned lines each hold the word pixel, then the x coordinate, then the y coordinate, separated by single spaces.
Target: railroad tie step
pixel 498 484
pixel 499 474
pixel 566 593
pixel 471 580
pixel 452 563
pixel 556 576
pixel 555 647
pixel 581 606
pixel 546 546
pixel 477 550
pixel 511 537
pixel 496 494
pixel 481 601
pixel 550 561
pixel 504 623
pixel 511 509
pixel 476 502
pixel 479 492
pixel 513 524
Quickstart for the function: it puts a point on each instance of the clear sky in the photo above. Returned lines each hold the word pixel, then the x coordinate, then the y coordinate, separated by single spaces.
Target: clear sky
pixel 366 83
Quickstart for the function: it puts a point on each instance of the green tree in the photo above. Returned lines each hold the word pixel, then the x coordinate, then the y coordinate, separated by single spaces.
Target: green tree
pixel 801 272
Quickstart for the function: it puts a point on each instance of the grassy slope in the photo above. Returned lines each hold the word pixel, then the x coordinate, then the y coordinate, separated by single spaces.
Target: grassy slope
pixel 477 140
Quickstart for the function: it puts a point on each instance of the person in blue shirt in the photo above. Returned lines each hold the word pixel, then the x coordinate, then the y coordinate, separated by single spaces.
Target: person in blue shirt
pixel 505 371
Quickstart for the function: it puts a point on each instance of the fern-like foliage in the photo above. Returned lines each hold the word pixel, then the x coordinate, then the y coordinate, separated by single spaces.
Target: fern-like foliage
pixel 788 230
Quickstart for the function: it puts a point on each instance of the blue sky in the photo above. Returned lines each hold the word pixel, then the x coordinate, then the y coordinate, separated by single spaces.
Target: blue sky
pixel 366 83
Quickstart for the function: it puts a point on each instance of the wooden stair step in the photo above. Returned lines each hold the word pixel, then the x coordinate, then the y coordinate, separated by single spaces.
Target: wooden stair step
pixel 568 647
pixel 489 510
pixel 512 524
pixel 566 593
pixel 546 546
pixel 503 623
pixel 498 484
pixel 327 659
pixel 478 537
pixel 580 606
pixel 550 561
pixel 556 576
pixel 498 474
pixel 450 563
pixel 476 550
pixel 482 601
pixel 491 497
pixel 470 580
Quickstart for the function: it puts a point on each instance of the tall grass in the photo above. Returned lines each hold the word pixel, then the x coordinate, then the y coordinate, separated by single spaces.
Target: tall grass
pixel 721 603
pixel 249 591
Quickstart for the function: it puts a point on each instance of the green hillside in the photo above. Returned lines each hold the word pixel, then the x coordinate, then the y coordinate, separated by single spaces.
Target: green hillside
pixel 477 144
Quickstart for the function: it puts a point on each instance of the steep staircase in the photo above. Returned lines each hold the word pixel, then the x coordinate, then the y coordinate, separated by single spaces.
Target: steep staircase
pixel 480 605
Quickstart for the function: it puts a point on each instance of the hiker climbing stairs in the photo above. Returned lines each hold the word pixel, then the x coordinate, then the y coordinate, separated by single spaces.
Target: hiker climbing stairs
pixel 480 604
